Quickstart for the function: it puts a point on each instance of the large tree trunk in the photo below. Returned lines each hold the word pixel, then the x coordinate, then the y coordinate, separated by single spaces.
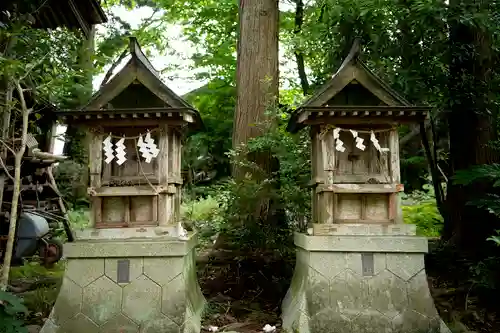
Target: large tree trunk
pixel 75 146
pixel 257 92
pixel 471 126
pixel 257 70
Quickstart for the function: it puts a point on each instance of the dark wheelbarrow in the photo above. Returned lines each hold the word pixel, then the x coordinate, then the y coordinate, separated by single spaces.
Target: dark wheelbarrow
pixel 33 238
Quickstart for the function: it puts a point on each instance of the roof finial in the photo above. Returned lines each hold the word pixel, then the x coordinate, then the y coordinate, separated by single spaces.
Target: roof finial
pixel 356 47
pixel 132 43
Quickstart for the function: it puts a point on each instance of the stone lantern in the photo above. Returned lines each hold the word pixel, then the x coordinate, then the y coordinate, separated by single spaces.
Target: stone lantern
pixel 359 267
pixel 133 268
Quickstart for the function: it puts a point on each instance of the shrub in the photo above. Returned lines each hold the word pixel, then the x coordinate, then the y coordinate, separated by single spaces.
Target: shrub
pixel 206 215
pixel 420 208
pixel 12 311
pixel 263 209
pixel 68 176
pixel 79 218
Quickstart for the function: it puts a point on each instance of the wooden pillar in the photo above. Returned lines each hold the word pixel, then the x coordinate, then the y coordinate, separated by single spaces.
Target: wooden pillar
pixel 51 138
pixel 178 176
pixel 326 159
pixel 395 174
pixel 328 156
pixel 163 171
pixel 95 170
pixel 314 174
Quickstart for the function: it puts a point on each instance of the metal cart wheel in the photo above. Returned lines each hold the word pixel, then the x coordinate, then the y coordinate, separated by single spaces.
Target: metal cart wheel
pixel 51 251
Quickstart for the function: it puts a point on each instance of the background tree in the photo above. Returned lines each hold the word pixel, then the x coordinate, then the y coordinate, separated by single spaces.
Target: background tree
pixel 257 70
pixel 472 117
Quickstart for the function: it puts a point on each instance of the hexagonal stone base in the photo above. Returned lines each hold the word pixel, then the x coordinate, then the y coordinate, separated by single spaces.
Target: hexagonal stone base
pixel 108 289
pixel 360 284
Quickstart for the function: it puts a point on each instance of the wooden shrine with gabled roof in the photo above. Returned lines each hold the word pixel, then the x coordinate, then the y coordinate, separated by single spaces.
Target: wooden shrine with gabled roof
pixel 355 146
pixel 133 268
pixel 137 88
pixel 357 219
pixel 355 91
pixel 133 108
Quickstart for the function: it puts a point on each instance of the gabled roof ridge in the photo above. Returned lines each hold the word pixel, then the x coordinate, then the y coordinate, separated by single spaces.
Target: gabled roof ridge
pixel 138 67
pixel 353 58
pixel 383 84
pixel 137 53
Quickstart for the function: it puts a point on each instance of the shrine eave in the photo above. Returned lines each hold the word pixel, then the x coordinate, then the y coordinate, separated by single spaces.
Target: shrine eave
pixel 309 115
pixel 115 117
pixel 51 14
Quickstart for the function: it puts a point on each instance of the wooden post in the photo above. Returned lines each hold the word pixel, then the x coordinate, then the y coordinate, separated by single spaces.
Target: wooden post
pixel 163 171
pixel 315 174
pixel 95 169
pixel 395 174
pixel 52 138
pixel 328 157
pixel 327 162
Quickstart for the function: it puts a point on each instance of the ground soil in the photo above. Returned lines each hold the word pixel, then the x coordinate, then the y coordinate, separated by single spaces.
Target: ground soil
pixel 245 292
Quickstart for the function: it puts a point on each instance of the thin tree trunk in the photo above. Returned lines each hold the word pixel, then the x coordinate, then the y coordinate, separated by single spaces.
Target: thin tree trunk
pixel 299 55
pixel 5 133
pixel 4 280
pixel 434 171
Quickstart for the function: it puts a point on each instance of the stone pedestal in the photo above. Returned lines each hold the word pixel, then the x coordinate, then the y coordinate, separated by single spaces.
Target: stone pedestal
pixel 129 284
pixel 370 279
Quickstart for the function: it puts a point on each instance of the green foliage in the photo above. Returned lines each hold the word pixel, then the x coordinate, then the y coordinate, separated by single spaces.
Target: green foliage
pixel 79 218
pixel 32 269
pixel 286 204
pixel 426 217
pixel 211 25
pixel 419 208
pixel 489 173
pixel 113 39
pixel 495 238
pixel 68 175
pixel 231 207
pixel 46 60
pixel 206 214
pixel 39 302
pixel 12 311
pixel 204 155
pixel 203 209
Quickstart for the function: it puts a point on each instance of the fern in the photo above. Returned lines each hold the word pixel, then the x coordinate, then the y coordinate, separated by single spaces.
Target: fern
pixel 490 202
pixel 489 172
pixel 495 238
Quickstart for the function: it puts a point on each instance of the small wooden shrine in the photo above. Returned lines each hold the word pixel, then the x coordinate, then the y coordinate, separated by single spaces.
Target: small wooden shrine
pixel 359 269
pixel 133 269
pixel 135 125
pixel 355 146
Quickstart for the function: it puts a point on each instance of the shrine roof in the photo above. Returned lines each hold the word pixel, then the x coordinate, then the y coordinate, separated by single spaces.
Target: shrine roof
pixel 51 14
pixel 136 91
pixel 355 91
